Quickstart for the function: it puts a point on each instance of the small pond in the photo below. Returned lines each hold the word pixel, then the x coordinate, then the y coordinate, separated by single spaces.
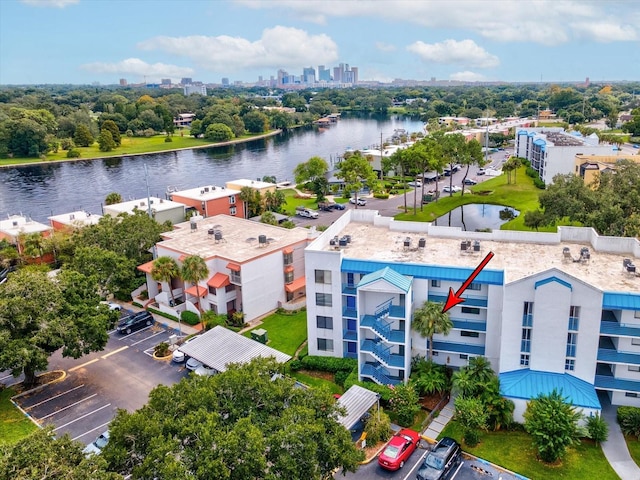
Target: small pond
pixel 477 216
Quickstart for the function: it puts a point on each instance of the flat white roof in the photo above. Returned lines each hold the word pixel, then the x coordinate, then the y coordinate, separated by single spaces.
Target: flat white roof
pixel 219 347
pixel 157 204
pixel 78 218
pixel 357 401
pixel 244 182
pixel 206 192
pixel 17 224
pixel 240 238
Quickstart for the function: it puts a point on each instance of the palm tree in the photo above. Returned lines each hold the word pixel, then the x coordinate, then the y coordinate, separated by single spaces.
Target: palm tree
pixel 165 269
pixel 429 320
pixel 113 198
pixel 194 269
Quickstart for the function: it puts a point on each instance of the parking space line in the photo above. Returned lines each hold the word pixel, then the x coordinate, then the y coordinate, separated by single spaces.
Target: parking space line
pixel 92 430
pixel 115 351
pixel 83 416
pixel 133 333
pixel 73 369
pixel 112 331
pixel 145 339
pixel 69 406
pixel 417 465
pixel 52 398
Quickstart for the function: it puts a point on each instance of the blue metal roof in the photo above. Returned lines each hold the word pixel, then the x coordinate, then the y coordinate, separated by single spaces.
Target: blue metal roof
pixel 623 301
pixel 389 275
pixel 527 384
pixel 552 279
pixel 540 141
pixel 431 272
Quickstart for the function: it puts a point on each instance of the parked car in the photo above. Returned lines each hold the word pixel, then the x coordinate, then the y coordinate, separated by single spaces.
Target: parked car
pixel 307 213
pixel 193 364
pixel 399 449
pixel 481 171
pixel 112 305
pixel 178 355
pixel 470 181
pixel 361 201
pixel 441 461
pixel 417 183
pixel 452 189
pixel 98 444
pixel 204 371
pixel 135 322
pixel 338 206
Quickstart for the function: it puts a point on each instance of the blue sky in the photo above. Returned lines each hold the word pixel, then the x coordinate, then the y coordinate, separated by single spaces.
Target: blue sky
pixel 85 41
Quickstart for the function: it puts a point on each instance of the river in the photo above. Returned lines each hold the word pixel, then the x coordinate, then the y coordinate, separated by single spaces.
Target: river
pixel 40 191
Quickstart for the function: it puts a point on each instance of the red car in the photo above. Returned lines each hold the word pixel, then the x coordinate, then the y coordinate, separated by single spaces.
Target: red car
pixel 399 449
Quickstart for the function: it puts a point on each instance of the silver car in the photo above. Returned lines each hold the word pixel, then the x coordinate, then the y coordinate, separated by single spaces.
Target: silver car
pixel 97 445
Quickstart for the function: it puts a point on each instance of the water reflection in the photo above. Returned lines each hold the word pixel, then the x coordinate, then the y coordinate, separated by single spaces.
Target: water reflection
pixel 477 216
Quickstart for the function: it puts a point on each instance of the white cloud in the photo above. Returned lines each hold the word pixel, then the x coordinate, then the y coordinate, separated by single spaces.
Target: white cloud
pixel 385 47
pixel 50 3
pixel 464 52
pixel 548 22
pixel 135 66
pixel 279 47
pixel 467 76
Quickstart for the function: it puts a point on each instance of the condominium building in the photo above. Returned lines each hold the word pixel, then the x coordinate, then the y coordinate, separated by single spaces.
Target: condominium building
pixel 552 151
pixel 550 309
pixel 161 210
pixel 209 200
pixel 252 267
pixel 71 221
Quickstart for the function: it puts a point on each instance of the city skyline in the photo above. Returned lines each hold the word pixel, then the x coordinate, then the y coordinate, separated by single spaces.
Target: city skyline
pixel 242 40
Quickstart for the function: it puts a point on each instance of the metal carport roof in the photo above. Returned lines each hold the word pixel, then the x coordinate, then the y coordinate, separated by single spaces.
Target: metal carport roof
pixel 356 401
pixel 219 347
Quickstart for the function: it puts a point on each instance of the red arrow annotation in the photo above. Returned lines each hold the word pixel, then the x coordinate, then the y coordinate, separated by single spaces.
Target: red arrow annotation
pixel 454 298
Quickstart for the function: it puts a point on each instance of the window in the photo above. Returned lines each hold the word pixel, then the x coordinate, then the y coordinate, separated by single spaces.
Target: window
pixel 525 344
pixel 229 288
pixel 232 211
pixel 631 394
pixel 288 258
pixel 471 310
pixel 527 314
pixel 324 300
pixel 465 333
pixel 232 199
pixel 288 277
pixel 352 347
pixel 436 283
pixel 324 322
pixel 570 364
pixel 325 344
pixel 574 318
pixel 235 277
pixel 212 291
pixel 524 360
pixel 636 314
pixel 572 340
pixel 464 356
pixel 323 276
pixel 635 341
pixel 634 368
pixel 474 286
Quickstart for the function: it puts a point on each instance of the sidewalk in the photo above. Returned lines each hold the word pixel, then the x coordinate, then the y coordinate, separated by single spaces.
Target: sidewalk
pixel 615 448
pixel 437 424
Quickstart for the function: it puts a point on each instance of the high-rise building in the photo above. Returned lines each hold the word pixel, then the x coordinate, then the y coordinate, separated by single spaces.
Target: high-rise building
pixel 354 75
pixel 123 82
pixel 186 81
pixel 165 81
pixel 337 74
pixel 308 75
pixel 191 89
pixel 324 74
pixel 225 82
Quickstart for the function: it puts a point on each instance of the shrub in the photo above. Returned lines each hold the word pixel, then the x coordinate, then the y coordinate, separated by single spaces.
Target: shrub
pixel 189 317
pixel 161 350
pixel 73 153
pixel 67 143
pixel 378 427
pixel 168 139
pixel 328 364
pixel 629 420
pixel 236 319
pixel 382 196
pixel 404 403
pixel 295 365
pixel 598 429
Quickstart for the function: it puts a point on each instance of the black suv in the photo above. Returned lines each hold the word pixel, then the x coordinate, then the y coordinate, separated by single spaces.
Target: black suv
pixel 134 322
pixel 441 461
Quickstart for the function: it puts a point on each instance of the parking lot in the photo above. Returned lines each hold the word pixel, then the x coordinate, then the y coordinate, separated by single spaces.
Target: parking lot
pixel 120 376
pixel 470 469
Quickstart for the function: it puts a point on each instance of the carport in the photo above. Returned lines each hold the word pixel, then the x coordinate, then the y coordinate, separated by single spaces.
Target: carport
pixel 356 401
pixel 219 347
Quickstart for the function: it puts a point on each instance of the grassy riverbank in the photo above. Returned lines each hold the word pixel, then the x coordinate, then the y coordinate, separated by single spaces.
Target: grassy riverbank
pixel 134 146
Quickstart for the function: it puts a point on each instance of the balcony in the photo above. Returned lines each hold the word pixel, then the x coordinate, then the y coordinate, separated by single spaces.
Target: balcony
pixel 615 329
pixel 469 325
pixel 468 301
pixel 348 289
pixel 378 374
pixel 608 382
pixel 382 328
pixel 351 335
pixel 382 353
pixel 469 348
pixel 397 311
pixel 611 355
pixel 350 312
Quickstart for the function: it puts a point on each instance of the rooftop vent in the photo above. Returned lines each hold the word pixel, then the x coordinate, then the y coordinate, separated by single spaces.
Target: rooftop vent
pixel 628 265
pixel 206 189
pixel 72 217
pixel 211 232
pixel 142 204
pixel 217 235
pixel 262 240
pixel 15 223
pixel 194 224
pixel 407 242
pixel 422 243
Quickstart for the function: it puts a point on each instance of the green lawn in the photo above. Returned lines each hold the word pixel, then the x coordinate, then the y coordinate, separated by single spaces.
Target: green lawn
pixel 285 332
pixel 522 196
pixel 13 424
pixel 514 451
pixel 130 146
pixel 316 382
pixel 634 448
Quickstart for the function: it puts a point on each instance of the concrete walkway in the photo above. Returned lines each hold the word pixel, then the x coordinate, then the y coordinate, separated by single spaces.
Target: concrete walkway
pixel 615 448
pixel 437 424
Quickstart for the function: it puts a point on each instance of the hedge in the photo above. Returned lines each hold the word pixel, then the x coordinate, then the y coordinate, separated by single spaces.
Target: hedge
pixel 629 420
pixel 189 317
pixel 162 314
pixel 328 364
